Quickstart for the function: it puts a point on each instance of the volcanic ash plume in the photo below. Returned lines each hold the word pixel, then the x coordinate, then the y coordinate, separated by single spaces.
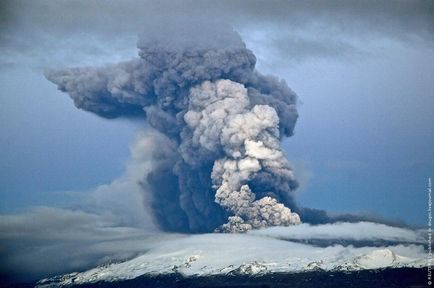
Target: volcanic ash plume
pixel 219 118
pixel 220 165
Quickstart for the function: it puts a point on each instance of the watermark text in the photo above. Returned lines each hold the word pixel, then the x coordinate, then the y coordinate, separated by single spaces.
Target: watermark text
pixel 429 274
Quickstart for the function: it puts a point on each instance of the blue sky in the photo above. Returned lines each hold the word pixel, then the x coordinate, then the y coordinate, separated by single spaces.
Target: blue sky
pixel 363 143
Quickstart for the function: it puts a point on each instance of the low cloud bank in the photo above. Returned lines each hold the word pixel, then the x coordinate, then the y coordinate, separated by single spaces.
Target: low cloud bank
pixel 360 231
pixel 49 241
pixel 108 223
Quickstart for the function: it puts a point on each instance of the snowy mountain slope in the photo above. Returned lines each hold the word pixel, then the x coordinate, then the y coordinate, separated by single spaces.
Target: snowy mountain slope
pixel 223 254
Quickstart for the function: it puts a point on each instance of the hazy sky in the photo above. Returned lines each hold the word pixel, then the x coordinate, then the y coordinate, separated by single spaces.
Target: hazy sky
pixel 363 71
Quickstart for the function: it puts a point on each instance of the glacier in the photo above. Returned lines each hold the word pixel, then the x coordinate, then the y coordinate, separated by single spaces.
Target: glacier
pixel 256 253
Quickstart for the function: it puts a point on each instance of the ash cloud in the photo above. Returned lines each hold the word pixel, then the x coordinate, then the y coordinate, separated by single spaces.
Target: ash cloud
pixel 312 28
pixel 223 121
pixel 219 165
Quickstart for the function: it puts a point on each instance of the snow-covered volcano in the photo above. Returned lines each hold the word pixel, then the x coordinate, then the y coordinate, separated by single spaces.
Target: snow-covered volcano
pixel 257 253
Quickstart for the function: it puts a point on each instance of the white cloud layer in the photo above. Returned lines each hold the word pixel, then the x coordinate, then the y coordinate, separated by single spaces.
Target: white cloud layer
pixel 348 231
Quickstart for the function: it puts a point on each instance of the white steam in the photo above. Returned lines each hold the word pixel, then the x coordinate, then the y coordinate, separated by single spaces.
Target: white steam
pixel 247 141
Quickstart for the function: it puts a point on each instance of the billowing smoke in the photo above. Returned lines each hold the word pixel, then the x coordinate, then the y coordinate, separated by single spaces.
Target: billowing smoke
pixel 220 165
pixel 220 119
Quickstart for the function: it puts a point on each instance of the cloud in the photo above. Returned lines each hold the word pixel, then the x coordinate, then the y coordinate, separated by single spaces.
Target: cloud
pixel 343 230
pixel 184 72
pixel 127 198
pixel 34 33
pixel 111 222
pixel 196 83
pixel 48 241
pixel 397 18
